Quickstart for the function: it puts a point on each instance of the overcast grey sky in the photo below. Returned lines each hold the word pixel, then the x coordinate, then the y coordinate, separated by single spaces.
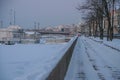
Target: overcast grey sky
pixel 47 12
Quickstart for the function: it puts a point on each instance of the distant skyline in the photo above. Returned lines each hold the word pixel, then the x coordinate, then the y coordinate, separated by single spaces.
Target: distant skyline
pixel 46 12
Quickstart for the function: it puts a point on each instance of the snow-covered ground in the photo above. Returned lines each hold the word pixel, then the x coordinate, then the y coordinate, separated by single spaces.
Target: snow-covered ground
pixel 53 39
pixel 91 60
pixel 115 43
pixel 94 61
pixel 30 61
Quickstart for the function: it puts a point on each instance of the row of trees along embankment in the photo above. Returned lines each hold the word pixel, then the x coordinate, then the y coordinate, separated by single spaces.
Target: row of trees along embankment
pixel 97 10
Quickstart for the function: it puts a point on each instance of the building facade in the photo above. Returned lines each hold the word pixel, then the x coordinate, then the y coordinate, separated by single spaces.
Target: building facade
pixel 12 34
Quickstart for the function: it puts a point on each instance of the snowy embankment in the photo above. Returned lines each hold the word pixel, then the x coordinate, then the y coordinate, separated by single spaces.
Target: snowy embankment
pixel 93 61
pixel 30 62
pixel 112 44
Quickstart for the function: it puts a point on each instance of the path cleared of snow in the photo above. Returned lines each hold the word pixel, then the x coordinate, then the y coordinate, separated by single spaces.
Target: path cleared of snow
pixel 80 68
pixel 93 61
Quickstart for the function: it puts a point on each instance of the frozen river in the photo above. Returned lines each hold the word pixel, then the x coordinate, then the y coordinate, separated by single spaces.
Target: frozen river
pixel 30 61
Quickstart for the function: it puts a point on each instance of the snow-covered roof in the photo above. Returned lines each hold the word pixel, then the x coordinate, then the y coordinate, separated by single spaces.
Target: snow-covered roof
pixel 14 27
pixel 3 29
pixel 28 32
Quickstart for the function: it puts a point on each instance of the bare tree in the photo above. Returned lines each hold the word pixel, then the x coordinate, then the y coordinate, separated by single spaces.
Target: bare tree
pixel 100 9
pixel 95 12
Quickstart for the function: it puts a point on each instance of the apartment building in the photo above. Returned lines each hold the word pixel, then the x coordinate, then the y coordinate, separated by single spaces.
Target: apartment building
pixel 12 34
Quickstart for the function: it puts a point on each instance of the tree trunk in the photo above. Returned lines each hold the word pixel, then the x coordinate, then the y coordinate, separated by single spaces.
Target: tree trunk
pixel 111 29
pixel 89 29
pixel 93 28
pixel 108 18
pixel 96 29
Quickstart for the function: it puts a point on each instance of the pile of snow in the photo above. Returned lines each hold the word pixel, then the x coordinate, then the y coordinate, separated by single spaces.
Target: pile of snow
pixel 113 44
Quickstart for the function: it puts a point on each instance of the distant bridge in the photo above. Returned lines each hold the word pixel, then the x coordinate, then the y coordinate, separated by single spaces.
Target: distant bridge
pixel 47 32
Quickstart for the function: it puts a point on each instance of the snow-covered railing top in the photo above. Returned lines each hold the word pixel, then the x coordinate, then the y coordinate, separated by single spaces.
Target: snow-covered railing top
pixel 59 71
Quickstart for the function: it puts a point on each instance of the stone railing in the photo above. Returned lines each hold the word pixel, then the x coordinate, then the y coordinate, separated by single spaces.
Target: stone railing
pixel 59 72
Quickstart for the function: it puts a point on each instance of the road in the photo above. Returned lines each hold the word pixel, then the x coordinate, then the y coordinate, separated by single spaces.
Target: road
pixel 93 61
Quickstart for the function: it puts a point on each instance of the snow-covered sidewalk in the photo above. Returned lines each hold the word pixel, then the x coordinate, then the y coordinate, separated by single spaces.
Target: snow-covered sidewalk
pixel 93 61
